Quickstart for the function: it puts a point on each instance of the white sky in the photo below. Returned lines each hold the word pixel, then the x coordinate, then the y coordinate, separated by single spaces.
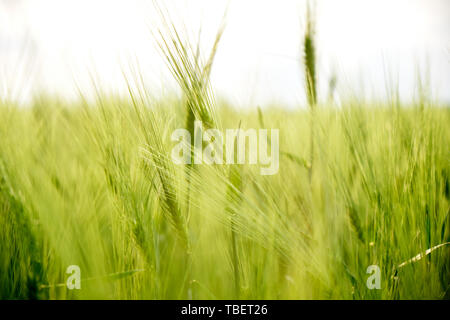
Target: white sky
pixel 53 44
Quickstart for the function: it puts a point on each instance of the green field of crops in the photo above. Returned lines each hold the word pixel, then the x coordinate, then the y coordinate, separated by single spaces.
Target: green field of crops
pixel 91 183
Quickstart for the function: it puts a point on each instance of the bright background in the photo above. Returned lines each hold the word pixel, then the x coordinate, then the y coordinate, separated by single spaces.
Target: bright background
pixel 59 45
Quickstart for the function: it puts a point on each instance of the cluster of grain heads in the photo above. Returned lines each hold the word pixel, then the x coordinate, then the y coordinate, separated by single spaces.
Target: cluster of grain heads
pixel 190 70
pixel 160 165
pixel 192 74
